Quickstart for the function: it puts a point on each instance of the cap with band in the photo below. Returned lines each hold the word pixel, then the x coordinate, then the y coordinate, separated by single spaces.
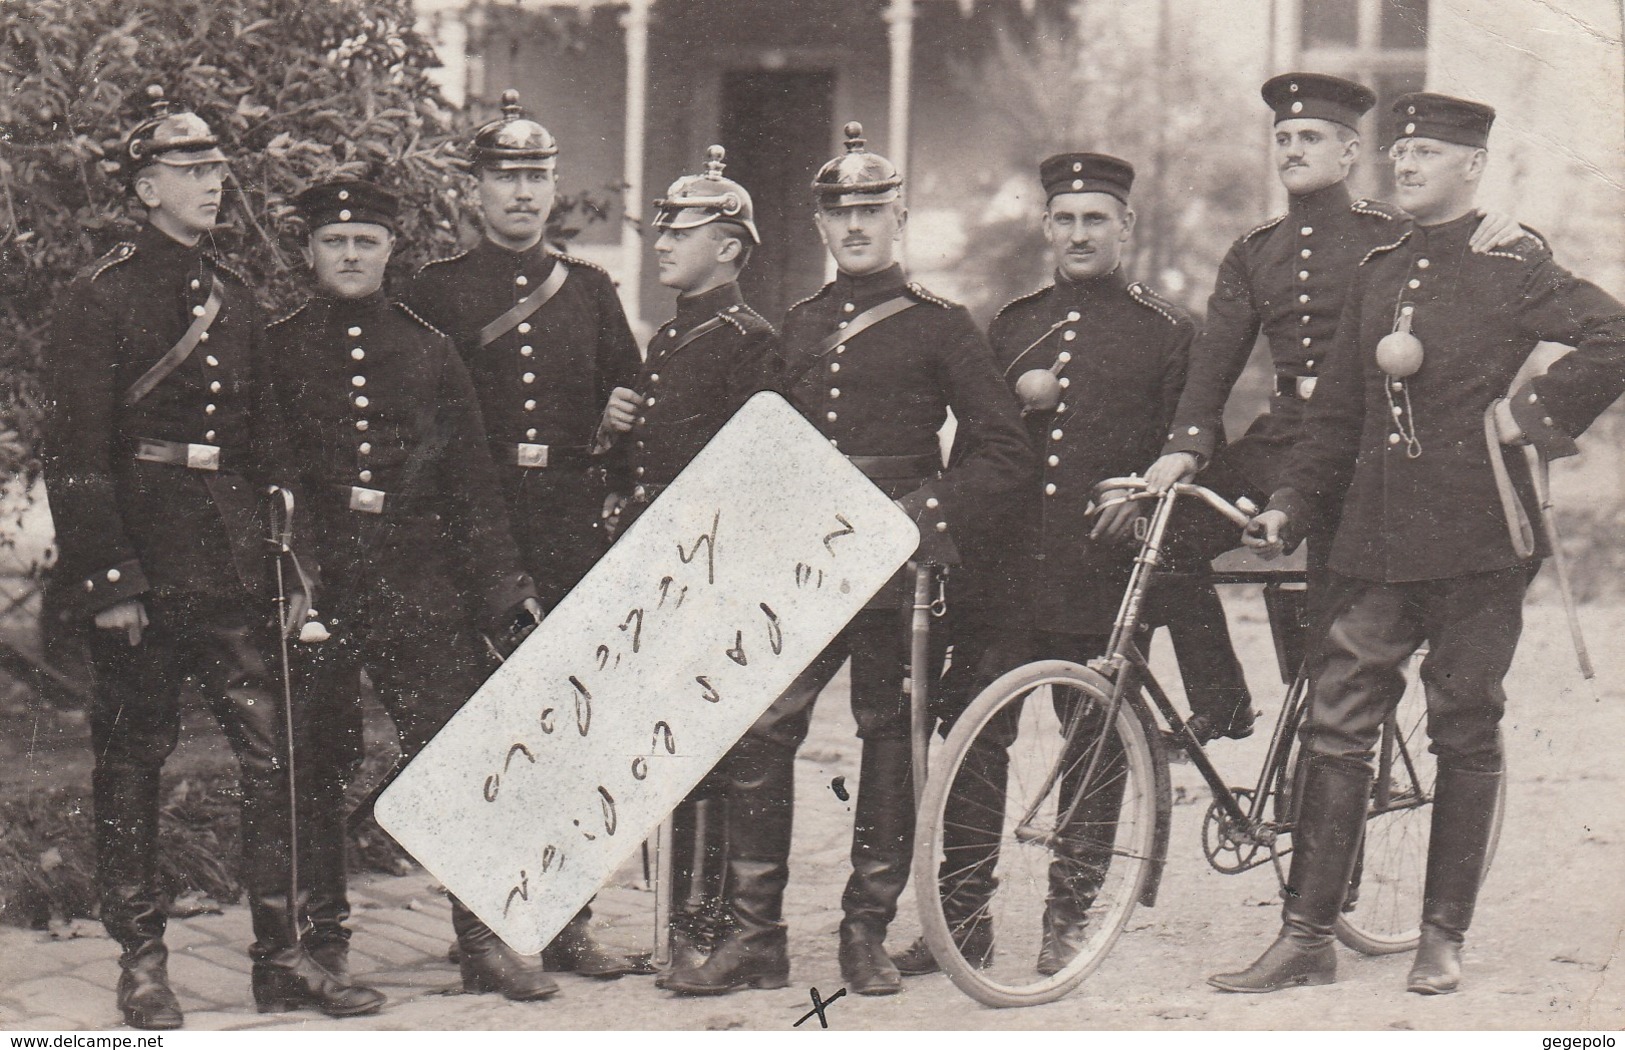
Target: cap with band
pixel 857 177
pixel 696 200
pixel 1086 173
pixel 1424 115
pixel 347 200
pixel 513 140
pixel 176 138
pixel 1316 96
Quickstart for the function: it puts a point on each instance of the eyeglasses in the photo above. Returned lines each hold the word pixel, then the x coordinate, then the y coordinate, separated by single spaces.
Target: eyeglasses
pixel 1421 151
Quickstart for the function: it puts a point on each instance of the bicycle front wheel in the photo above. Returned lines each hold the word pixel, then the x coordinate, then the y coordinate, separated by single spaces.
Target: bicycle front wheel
pixel 1383 912
pixel 1036 834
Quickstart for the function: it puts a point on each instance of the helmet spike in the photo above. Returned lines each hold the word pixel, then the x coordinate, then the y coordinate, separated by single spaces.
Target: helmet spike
pixel 510 104
pixel 713 161
pixel 854 137
pixel 159 105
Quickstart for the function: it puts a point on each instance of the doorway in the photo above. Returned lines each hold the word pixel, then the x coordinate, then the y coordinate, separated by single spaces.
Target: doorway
pixel 775 126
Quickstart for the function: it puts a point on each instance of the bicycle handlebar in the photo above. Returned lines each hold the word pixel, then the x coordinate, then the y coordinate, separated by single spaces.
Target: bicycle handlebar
pixel 1240 512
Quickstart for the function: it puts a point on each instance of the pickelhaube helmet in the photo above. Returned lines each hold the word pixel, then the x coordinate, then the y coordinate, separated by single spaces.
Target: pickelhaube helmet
pixel 857 176
pixel 695 200
pixel 513 140
pixel 177 138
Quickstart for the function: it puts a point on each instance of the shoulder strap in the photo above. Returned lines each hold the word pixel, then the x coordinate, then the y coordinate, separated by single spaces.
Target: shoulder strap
pixel 177 354
pixel 509 319
pixel 705 327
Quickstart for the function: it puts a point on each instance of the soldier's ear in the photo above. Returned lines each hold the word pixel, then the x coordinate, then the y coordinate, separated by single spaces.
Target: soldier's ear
pixel 728 247
pixel 145 190
pixel 306 253
pixel 1477 163
pixel 1128 222
pixel 902 220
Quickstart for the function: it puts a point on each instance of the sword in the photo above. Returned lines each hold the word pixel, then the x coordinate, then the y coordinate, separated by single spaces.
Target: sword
pixel 1540 472
pixel 281 540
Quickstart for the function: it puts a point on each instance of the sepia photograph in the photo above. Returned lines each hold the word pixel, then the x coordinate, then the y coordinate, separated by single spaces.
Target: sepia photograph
pixel 791 515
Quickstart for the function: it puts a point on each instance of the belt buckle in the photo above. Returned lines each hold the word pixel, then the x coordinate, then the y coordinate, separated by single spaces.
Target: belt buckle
pixel 531 455
pixel 1305 386
pixel 367 501
pixel 203 457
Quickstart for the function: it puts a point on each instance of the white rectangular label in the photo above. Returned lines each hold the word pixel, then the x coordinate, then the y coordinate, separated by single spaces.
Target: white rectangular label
pixel 726 588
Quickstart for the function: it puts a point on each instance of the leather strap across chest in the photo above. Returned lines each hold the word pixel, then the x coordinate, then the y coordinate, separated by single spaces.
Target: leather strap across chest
pixel 861 323
pixel 703 328
pixel 510 318
pixel 177 354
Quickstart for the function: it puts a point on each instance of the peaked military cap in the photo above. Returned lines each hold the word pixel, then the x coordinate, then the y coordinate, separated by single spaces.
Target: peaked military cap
pixel 1086 173
pixel 1428 116
pixel 513 140
pixel 695 200
pixel 1316 96
pixel 856 177
pixel 347 200
pixel 177 138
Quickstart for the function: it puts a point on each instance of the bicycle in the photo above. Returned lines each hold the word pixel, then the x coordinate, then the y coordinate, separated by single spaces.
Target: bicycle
pixel 1087 801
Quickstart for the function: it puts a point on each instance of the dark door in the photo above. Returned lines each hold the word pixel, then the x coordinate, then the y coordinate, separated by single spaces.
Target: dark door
pixel 775 127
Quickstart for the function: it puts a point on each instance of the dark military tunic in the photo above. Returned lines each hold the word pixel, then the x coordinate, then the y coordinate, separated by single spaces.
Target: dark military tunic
pixel 125 526
pixel 545 382
pixel 1423 553
pixel 182 531
pixel 1288 279
pixel 1478 316
pixel 703 365
pixel 1122 361
pixel 880 398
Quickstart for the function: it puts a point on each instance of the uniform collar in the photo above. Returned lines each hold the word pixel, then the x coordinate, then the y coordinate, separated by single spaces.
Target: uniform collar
pixel 342 311
pixel 1446 235
pixel 692 310
pixel 1317 205
pixel 871 286
pixel 535 260
pixel 161 248
pixel 1090 288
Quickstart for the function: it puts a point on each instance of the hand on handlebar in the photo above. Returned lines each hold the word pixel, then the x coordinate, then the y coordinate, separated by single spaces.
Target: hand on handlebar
pixel 1168 471
pixel 1116 522
pixel 1264 534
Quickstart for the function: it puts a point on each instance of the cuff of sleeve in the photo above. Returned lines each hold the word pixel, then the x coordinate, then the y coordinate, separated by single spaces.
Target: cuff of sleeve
pixel 1290 501
pixel 1194 438
pixel 504 595
pixel 105 589
pixel 930 515
pixel 1537 424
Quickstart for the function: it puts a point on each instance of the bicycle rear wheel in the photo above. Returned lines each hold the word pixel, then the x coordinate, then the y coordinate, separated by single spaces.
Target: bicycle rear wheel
pixel 1040 815
pixel 1383 913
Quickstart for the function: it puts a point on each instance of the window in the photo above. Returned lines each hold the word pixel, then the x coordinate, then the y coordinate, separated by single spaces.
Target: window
pixel 1330 23
pixel 1404 23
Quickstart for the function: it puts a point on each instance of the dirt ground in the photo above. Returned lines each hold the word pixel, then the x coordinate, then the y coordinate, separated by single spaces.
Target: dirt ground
pixel 1544 953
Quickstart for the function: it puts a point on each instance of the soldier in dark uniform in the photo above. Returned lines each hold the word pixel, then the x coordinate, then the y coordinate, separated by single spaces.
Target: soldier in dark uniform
pixel 1098 362
pixel 412 535
pixel 553 359
pixel 702 366
pixel 1405 435
pixel 161 438
pixel 875 363
pixel 1286 278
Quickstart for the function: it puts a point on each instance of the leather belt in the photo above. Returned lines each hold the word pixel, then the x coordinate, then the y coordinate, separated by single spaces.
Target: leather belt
pixel 179 454
pixel 646 493
pixel 887 467
pixel 540 457
pixel 1300 387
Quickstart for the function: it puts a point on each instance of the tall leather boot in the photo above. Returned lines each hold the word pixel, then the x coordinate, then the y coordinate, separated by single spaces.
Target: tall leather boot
pixel 882 845
pixel 754 950
pixel 699 835
pixel 286 978
pixel 126 800
pixel 488 965
pixel 1463 823
pixel 1325 839
pixel 134 918
pixel 576 950
pixel 1083 852
pixel 972 824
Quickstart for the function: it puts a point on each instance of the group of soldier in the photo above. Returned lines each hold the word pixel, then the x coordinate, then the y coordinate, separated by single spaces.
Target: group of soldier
pixel 461 458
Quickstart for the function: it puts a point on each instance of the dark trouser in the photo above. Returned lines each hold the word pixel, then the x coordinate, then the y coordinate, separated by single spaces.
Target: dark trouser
pixel 1471 626
pixel 134 725
pixel 423 664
